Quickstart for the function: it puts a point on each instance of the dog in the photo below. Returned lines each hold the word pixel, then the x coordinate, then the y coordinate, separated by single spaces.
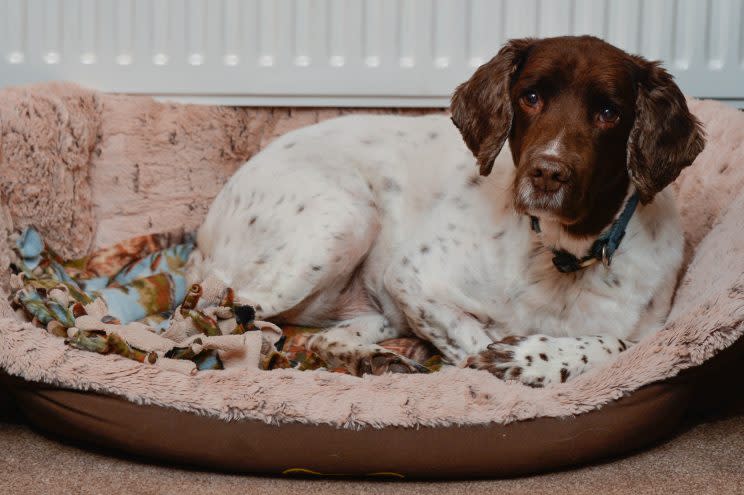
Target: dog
pixel 534 260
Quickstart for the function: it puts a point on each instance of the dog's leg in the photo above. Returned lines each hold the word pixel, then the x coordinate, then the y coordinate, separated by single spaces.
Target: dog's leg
pixel 287 251
pixel 447 318
pixel 352 345
pixel 539 360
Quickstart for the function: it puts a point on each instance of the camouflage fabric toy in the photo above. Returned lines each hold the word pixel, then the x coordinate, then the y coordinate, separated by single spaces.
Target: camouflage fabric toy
pixel 142 280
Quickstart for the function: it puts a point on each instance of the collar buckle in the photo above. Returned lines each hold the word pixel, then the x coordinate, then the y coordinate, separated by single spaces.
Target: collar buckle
pixel 606 258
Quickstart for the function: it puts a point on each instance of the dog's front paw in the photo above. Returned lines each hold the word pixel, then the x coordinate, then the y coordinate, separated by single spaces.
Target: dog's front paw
pixel 529 360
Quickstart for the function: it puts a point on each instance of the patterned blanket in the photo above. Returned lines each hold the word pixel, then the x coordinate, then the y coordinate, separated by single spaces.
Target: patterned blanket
pixel 131 299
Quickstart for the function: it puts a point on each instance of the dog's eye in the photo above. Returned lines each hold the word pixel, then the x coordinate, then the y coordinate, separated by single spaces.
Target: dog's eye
pixel 531 100
pixel 608 116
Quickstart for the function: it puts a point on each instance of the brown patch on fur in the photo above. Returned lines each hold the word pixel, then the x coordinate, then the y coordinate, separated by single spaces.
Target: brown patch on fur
pixel 512 340
pixel 481 108
pixel 474 181
pixel 564 375
pixel 665 137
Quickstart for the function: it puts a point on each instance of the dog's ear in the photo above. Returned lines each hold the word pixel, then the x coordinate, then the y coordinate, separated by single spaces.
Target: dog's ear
pixel 665 137
pixel 482 108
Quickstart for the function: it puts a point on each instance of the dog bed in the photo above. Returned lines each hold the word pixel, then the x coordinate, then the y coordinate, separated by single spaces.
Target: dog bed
pixel 88 170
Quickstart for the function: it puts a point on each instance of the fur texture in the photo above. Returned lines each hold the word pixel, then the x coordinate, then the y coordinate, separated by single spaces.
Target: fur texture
pixel 48 134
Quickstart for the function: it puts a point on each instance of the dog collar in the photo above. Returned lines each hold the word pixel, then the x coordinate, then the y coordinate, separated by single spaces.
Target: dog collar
pixel 602 249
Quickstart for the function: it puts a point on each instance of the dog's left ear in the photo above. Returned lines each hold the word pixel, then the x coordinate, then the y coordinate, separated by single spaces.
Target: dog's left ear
pixel 665 137
pixel 481 106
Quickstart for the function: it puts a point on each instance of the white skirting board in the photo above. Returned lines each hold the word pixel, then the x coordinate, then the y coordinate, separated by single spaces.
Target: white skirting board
pixel 399 53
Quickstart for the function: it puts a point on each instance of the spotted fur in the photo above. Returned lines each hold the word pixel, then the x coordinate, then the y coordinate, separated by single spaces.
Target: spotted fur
pixel 434 255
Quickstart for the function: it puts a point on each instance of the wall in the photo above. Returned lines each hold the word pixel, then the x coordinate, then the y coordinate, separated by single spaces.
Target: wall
pixel 385 53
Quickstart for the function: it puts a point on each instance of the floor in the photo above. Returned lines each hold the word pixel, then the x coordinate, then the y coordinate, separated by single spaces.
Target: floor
pixel 706 458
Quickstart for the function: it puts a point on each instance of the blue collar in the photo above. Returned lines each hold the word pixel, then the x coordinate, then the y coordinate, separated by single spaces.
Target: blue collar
pixel 602 249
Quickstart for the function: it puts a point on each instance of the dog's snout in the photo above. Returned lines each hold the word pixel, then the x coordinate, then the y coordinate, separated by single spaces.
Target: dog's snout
pixel 549 175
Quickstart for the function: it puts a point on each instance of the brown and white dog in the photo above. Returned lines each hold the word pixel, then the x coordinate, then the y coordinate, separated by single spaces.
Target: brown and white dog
pixel 380 226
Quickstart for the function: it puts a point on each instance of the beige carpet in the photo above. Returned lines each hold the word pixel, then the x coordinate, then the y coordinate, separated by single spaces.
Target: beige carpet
pixel 707 458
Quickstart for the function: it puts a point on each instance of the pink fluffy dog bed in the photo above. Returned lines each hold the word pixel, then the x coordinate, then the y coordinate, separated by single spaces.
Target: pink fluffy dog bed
pixel 89 170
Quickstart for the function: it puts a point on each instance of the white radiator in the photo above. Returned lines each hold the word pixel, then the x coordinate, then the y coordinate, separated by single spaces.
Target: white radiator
pixel 344 52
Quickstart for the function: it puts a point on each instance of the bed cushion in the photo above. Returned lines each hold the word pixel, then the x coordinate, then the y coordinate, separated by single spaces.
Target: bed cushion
pixel 144 180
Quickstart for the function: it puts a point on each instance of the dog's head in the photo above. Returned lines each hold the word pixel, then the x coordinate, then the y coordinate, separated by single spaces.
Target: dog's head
pixel 583 120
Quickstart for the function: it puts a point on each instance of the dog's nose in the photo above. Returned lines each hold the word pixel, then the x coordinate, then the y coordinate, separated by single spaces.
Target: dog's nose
pixel 549 176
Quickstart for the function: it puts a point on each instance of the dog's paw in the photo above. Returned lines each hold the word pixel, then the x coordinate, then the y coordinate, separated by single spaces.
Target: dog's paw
pixel 379 362
pixel 532 360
